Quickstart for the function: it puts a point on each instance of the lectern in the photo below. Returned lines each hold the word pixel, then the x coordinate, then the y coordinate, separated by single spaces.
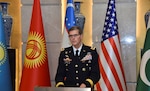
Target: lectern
pixel 61 89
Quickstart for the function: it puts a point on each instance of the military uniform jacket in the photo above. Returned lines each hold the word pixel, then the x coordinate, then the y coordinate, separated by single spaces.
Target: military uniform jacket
pixel 72 71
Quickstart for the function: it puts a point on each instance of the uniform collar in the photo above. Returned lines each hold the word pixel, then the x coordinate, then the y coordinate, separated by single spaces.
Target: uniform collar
pixel 79 49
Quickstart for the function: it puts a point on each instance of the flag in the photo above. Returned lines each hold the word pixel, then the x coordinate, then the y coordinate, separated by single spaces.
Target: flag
pixel 111 69
pixel 5 75
pixel 35 71
pixel 69 22
pixel 143 82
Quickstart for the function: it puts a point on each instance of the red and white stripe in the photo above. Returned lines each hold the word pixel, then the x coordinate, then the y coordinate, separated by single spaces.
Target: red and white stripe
pixel 111 69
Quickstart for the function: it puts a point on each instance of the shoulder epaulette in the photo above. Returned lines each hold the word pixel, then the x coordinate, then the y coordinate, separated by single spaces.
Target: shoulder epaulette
pixel 93 48
pixel 62 49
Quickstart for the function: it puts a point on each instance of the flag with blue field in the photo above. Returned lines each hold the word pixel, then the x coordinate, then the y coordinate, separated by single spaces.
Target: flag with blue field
pixel 5 76
pixel 69 22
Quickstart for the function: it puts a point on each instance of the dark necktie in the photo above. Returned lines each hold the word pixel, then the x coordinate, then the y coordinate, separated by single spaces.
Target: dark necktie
pixel 77 52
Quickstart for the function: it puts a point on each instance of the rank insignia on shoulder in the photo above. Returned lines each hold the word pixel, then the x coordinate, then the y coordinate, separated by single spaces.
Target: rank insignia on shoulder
pixel 62 49
pixel 93 48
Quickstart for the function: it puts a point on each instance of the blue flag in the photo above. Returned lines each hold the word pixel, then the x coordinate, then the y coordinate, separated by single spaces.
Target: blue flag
pixel 70 15
pixel 69 22
pixel 5 76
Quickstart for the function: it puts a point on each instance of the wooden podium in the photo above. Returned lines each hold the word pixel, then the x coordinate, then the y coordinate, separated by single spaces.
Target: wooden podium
pixel 61 89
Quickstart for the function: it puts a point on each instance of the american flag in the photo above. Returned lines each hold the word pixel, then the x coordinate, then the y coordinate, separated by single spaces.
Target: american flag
pixel 112 73
pixel 69 22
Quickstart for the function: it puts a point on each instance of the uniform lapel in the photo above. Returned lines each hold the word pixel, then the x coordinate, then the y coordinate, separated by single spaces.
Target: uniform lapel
pixel 71 53
pixel 83 52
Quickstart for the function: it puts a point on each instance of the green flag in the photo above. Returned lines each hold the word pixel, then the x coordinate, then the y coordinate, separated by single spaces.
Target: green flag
pixel 143 82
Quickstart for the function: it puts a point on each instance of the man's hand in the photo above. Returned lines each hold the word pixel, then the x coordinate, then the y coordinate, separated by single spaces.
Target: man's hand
pixel 82 85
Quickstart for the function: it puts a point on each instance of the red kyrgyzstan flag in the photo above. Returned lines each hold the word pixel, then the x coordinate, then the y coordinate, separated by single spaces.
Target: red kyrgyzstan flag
pixel 35 71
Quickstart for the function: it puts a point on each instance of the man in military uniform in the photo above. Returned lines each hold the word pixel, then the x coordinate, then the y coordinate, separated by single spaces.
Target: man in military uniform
pixel 78 64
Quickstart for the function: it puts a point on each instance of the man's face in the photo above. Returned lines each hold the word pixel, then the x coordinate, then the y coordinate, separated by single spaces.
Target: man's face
pixel 75 38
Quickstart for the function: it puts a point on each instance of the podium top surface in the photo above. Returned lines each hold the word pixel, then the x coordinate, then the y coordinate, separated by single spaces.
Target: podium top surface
pixel 61 89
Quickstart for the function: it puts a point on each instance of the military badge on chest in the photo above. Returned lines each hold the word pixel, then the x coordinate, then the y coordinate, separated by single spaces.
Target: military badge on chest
pixel 86 60
pixel 67 60
pixel 87 57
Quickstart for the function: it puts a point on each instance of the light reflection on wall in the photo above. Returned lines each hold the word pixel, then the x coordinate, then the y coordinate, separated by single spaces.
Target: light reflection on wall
pixel 128 40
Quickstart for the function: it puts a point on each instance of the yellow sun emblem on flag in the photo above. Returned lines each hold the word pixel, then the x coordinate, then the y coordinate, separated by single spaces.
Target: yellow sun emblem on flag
pixel 35 51
pixel 2 54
